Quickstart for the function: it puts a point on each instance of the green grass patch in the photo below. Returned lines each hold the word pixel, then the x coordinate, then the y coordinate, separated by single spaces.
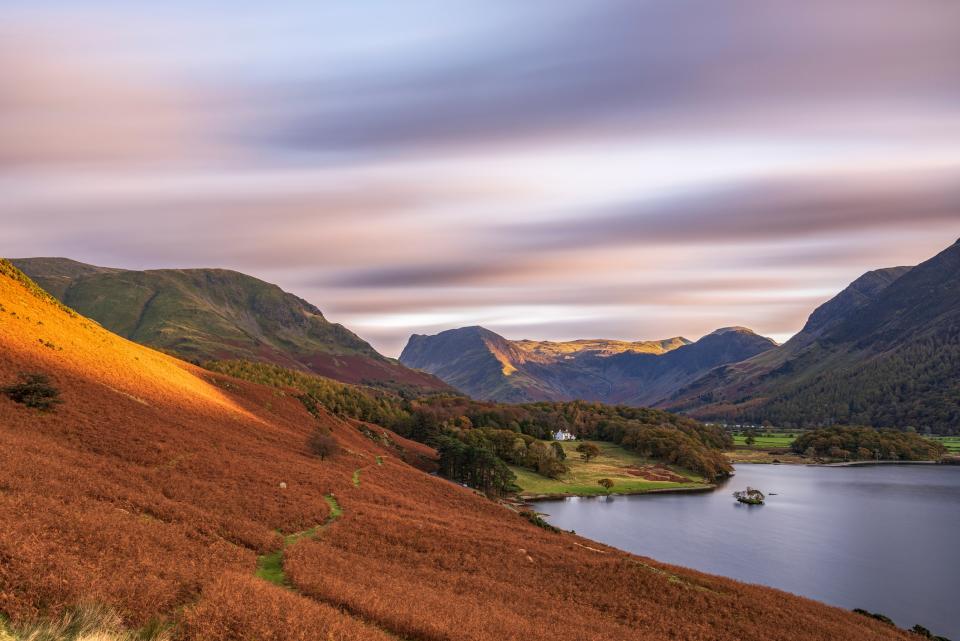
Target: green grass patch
pixel 356 478
pixel 614 463
pixel 379 460
pixel 952 443
pixel 270 566
pixel 765 441
pixel 335 510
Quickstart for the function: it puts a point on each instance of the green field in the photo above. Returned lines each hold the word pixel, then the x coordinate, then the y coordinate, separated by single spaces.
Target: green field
pixel 613 463
pixel 766 441
pixel 783 441
pixel 952 443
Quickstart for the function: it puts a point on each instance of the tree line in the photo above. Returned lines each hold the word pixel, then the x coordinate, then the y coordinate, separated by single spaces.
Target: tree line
pixel 915 386
pixel 865 443
pixel 477 440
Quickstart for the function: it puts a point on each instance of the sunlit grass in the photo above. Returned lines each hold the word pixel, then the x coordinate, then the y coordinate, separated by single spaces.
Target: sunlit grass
pixel 952 443
pixel 90 622
pixel 614 463
pixel 765 441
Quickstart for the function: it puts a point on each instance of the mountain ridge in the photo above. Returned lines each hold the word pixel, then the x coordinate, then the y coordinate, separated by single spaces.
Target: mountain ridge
pixel 884 352
pixel 162 487
pixel 486 365
pixel 205 314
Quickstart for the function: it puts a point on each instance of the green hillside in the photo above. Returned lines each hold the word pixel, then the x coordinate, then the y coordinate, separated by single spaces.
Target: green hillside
pixel 215 314
pixel 885 352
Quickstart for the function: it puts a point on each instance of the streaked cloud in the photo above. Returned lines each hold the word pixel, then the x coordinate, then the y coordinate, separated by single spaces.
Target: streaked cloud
pixel 622 169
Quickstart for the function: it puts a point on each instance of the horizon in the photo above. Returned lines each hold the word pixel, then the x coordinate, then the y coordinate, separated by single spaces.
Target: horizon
pixel 625 171
pixel 778 339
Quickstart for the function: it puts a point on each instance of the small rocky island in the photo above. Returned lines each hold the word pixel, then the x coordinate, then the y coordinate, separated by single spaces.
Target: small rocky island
pixel 750 496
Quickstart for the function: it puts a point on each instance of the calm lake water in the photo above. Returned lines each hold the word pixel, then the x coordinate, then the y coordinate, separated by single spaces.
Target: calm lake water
pixel 882 538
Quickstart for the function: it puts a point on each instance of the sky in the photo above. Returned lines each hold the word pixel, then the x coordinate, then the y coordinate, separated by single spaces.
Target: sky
pixel 629 169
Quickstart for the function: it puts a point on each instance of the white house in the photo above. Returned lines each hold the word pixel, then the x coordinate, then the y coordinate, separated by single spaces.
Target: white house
pixel 563 435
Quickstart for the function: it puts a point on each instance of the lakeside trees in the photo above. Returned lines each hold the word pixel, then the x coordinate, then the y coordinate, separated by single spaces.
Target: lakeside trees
pixel 514 434
pixel 473 465
pixel 865 443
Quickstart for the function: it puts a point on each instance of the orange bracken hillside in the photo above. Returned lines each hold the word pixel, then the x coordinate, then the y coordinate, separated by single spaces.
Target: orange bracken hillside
pixel 155 486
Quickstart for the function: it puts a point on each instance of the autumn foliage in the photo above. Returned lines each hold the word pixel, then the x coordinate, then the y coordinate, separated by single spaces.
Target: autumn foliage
pixel 155 486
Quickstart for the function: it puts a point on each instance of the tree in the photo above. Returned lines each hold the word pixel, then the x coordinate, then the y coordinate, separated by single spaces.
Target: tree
pixel 750 440
pixel 606 483
pixel 323 444
pixel 588 451
pixel 543 458
pixel 559 451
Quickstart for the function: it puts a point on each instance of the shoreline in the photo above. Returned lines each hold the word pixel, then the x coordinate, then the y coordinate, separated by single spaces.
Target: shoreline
pixel 846 463
pixel 527 498
pixel 763 457
pixel 558 496
pixel 863 463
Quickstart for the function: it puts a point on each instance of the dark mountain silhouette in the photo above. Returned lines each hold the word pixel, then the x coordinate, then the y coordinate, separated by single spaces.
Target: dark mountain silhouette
pixel 486 365
pixel 884 352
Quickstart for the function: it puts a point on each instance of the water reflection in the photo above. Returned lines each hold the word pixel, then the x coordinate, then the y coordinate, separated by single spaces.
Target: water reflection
pixel 881 537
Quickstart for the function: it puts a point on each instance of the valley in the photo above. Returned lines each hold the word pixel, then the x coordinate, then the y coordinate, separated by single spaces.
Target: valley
pixel 313 465
pixel 882 352
pixel 479 321
pixel 198 474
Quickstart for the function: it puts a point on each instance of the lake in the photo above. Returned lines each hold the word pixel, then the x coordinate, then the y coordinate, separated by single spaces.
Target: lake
pixel 884 538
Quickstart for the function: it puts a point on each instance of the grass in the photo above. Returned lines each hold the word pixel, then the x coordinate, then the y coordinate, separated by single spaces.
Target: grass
pixel 270 566
pixel 952 443
pixel 613 463
pixel 335 510
pixel 752 455
pixel 89 622
pixel 765 441
pixel 356 478
pixel 783 441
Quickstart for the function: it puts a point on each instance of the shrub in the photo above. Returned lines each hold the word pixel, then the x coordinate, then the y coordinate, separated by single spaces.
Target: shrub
pixel 537 520
pixel 323 444
pixel 606 483
pixel 874 615
pixel 34 390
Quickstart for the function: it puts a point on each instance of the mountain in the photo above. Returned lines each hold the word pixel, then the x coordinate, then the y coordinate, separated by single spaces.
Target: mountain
pixel 195 474
pixel 190 503
pixel 217 314
pixel 884 352
pixel 486 365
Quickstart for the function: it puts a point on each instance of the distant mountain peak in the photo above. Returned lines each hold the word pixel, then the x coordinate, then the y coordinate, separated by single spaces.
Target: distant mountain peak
pixel 486 365
pixel 733 328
